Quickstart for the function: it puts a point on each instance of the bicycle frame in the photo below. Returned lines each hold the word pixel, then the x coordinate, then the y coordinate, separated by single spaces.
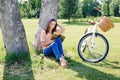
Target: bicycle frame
pixel 95 26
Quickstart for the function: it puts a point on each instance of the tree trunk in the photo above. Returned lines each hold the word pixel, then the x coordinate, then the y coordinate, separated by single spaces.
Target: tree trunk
pixel 48 11
pixel 12 28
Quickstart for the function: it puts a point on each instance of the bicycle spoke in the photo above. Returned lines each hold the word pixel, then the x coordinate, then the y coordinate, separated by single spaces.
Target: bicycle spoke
pixel 91 54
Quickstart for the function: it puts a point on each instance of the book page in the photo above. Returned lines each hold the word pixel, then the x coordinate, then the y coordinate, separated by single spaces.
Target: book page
pixel 54 36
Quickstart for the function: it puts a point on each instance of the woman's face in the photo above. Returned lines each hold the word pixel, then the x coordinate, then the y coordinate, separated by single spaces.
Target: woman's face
pixel 52 24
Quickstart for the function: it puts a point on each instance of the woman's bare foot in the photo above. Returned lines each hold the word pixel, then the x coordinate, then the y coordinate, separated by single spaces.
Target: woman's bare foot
pixel 63 62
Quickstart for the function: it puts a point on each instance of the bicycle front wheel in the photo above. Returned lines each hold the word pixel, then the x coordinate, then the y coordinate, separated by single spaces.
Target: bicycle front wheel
pixel 93 48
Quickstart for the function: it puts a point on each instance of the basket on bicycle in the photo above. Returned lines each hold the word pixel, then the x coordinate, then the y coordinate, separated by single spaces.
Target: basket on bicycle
pixel 105 24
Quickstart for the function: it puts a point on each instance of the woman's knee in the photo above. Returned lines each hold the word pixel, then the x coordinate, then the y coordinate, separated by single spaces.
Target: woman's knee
pixel 54 44
pixel 58 39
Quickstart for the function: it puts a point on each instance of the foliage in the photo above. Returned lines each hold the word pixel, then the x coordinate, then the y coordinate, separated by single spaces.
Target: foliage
pixel 104 8
pixel 69 8
pixel 116 6
pixel 30 8
pixel 111 7
pixel 88 8
pixel 72 8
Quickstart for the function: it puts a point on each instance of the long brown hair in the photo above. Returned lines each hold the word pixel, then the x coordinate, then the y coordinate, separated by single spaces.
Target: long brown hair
pixel 48 27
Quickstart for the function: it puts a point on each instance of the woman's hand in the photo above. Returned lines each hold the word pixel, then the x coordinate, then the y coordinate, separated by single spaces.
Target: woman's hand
pixel 60 30
pixel 61 27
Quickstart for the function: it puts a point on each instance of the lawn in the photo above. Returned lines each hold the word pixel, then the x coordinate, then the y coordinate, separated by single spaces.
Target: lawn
pixel 38 68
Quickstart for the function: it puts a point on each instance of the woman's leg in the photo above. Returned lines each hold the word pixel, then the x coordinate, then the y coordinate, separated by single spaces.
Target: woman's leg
pixel 52 48
pixel 55 48
pixel 58 41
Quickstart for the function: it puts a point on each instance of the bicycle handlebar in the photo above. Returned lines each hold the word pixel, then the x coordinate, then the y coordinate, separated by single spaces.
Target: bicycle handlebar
pixel 96 8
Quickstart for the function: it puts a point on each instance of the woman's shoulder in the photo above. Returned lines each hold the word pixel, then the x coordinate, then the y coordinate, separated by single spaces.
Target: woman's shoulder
pixel 43 31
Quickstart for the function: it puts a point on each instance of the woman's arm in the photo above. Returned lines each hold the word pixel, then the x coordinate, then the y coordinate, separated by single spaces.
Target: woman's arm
pixel 43 39
pixel 60 30
pixel 45 43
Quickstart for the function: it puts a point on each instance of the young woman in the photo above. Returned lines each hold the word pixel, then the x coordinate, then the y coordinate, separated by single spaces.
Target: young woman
pixel 51 47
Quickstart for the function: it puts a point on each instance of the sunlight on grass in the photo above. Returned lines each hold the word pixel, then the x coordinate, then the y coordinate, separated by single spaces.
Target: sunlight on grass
pixel 49 69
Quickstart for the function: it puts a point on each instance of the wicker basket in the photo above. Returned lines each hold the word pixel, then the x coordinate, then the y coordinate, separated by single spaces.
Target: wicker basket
pixel 105 24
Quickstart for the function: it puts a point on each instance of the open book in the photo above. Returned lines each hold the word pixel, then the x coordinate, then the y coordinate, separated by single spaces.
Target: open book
pixel 54 36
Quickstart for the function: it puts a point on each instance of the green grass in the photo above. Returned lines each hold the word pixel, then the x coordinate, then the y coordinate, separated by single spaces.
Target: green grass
pixel 37 68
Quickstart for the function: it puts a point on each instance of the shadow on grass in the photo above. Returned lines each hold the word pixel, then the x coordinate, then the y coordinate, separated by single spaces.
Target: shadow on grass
pixel 18 67
pixel 89 73
pixel 108 64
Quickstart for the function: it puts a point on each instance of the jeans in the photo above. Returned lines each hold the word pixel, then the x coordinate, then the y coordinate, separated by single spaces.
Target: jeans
pixel 54 48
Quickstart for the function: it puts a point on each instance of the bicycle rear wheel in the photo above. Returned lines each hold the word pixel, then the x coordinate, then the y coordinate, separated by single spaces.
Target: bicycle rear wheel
pixel 93 49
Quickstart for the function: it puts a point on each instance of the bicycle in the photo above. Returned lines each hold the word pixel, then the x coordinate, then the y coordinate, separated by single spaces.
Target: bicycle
pixel 93 46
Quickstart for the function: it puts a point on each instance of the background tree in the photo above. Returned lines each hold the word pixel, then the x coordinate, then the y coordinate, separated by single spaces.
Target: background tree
pixel 72 8
pixel 116 7
pixel 112 9
pixel 88 8
pixel 119 6
pixel 12 28
pixel 38 7
pixel 30 8
pixel 106 7
pixel 25 9
pixel 69 8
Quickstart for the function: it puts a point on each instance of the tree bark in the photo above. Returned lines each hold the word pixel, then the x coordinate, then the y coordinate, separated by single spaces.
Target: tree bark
pixel 48 11
pixel 12 28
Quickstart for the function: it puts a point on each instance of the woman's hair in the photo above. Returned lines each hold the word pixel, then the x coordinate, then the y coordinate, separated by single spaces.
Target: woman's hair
pixel 48 27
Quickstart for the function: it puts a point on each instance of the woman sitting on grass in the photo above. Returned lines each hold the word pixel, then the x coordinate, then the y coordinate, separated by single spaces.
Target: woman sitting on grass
pixel 51 47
